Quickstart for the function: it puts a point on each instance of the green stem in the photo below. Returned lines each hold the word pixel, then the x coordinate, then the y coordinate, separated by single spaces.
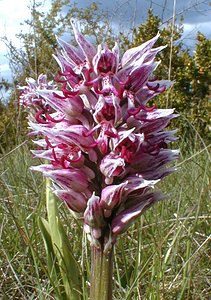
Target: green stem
pixel 101 274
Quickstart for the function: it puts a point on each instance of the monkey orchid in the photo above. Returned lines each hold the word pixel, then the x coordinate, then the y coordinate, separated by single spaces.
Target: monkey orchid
pixel 106 147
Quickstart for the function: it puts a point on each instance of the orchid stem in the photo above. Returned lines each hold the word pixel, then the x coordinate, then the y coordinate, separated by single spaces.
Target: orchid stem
pixel 101 274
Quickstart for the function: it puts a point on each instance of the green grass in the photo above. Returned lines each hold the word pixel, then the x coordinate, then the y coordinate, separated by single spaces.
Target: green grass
pixel 164 255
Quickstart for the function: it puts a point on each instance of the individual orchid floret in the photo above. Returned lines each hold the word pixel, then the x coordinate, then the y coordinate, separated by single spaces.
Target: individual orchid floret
pixel 124 219
pixel 106 147
pixel 112 196
pixel 76 201
pixel 29 96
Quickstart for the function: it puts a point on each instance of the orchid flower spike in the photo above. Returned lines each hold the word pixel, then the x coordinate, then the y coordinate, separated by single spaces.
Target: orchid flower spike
pixel 106 147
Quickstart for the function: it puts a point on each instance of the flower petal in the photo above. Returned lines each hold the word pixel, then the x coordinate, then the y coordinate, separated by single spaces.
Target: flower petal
pixel 133 54
pixel 93 215
pixel 75 200
pixel 71 53
pixel 72 178
pixel 112 165
pixel 71 106
pixel 111 196
pixel 87 48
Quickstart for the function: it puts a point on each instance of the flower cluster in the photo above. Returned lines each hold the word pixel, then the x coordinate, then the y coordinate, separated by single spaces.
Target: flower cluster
pixel 106 148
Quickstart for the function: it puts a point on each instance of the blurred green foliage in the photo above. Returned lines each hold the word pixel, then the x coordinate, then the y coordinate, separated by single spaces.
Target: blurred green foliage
pixel 190 71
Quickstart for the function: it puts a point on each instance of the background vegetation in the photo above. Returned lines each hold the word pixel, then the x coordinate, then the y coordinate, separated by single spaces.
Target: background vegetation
pixel 166 254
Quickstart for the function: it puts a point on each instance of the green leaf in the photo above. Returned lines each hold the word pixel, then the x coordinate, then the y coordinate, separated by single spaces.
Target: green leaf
pixel 69 268
pixel 53 269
